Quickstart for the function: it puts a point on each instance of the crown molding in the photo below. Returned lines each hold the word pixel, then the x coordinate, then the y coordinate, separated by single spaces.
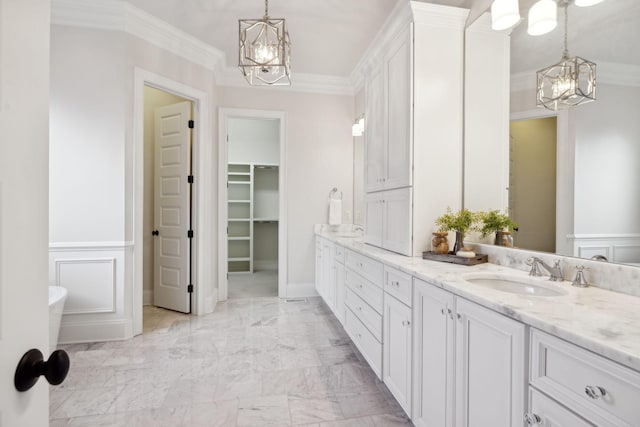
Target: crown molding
pixel 119 15
pixel 439 16
pixel 309 83
pixel 610 73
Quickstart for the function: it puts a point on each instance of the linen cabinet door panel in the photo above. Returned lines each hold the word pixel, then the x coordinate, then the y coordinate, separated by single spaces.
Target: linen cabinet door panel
pixel 398 221
pixel 490 368
pixel 433 356
pixel 399 90
pixel 374 217
pixel 375 132
pixel 341 290
pixel 396 345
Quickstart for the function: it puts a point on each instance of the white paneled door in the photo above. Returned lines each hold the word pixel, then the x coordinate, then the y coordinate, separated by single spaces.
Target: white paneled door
pixel 172 207
pixel 24 204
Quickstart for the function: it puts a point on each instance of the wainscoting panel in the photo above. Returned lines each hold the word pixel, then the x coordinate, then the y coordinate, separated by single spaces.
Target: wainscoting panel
pixel 618 248
pixel 91 284
pixel 98 306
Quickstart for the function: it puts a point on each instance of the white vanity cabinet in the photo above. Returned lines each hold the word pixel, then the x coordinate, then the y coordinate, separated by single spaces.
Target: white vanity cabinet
pixel 397 336
pixel 364 302
pixel 603 392
pixel 546 412
pixel 324 270
pixel 469 363
pixel 338 280
pixel 413 136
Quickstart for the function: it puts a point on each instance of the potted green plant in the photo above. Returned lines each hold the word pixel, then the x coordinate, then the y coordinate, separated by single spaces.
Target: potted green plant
pixel 461 222
pixel 500 224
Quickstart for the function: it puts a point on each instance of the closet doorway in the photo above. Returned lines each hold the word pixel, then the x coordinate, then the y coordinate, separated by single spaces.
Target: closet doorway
pixel 252 263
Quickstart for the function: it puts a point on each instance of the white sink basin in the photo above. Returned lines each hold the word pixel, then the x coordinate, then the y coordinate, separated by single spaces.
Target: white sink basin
pixel 348 234
pixel 513 284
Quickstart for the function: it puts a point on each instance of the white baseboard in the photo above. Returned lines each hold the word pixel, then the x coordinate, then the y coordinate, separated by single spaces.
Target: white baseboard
pixel 95 331
pixel 210 302
pixel 147 297
pixel 297 290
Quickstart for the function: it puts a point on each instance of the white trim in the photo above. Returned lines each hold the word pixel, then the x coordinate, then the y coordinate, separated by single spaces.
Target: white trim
pixel 93 331
pixel 223 116
pixel 88 246
pixel 299 290
pixel 439 16
pixel 604 236
pixel 147 297
pixel 118 15
pixel 58 263
pixel 203 158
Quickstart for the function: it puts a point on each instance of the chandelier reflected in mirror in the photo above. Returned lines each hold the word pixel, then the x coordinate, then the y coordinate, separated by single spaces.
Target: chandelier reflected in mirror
pixel 264 52
pixel 570 82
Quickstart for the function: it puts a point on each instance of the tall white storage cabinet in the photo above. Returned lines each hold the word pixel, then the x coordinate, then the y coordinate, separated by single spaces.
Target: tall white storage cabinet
pixel 413 134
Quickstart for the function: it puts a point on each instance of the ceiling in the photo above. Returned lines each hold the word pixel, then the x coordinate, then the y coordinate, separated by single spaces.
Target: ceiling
pixel 329 37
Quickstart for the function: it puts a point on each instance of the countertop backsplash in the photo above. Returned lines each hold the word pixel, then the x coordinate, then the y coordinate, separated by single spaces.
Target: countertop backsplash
pixel 614 277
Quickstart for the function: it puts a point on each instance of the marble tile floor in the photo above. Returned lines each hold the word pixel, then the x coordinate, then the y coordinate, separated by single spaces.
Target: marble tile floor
pixel 253 362
pixel 253 285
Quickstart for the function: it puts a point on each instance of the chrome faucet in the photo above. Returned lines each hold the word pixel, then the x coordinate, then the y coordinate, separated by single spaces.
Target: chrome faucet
pixel 555 272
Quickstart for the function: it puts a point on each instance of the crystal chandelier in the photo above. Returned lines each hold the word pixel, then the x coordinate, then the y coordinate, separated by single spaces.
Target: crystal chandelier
pixel 568 83
pixel 265 50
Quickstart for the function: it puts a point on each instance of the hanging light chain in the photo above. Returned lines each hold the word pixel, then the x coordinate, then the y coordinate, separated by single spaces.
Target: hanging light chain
pixel 565 3
pixel 266 9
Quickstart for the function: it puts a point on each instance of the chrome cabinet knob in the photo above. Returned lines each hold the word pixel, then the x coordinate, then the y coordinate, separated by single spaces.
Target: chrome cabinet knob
pixel 406 323
pixel 595 392
pixel 532 419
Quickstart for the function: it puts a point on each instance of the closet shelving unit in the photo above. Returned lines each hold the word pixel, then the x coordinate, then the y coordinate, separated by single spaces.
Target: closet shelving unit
pixel 252 199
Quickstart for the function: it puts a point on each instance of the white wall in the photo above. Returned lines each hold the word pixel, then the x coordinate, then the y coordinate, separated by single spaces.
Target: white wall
pixel 254 141
pixel 319 157
pixel 92 171
pixel 608 162
pixel 153 98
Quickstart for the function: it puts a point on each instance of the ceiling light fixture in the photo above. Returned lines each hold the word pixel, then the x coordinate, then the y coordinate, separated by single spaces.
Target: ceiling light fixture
pixel 584 3
pixel 265 48
pixel 542 17
pixel 504 14
pixel 568 83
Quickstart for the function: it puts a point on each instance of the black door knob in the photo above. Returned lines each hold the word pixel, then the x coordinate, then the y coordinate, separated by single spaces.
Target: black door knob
pixel 32 365
pixel 155 233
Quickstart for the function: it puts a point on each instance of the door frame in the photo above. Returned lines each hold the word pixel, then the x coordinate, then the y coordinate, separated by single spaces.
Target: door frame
pixel 565 171
pixel 203 299
pixel 224 114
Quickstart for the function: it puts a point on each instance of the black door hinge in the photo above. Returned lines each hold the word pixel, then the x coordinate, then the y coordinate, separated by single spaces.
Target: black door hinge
pixel 190 288
pixel 190 179
pixel 190 234
pixel 191 124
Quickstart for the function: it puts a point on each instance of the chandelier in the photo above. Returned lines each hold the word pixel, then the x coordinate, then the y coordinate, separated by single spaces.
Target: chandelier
pixel 570 82
pixel 264 53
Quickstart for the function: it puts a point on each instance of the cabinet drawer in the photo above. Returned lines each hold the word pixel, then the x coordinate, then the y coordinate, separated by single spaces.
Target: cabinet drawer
pixel 367 315
pixel 368 345
pixel 364 266
pixel 551 413
pixel 339 254
pixel 398 284
pixel 603 391
pixel 371 294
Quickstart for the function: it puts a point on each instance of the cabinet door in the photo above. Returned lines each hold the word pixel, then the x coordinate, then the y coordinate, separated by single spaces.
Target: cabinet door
pixel 433 356
pixel 328 274
pixel 490 368
pixel 375 132
pixel 397 221
pixel 396 359
pixel 373 218
pixel 319 266
pixel 546 412
pixel 341 290
pixel 398 93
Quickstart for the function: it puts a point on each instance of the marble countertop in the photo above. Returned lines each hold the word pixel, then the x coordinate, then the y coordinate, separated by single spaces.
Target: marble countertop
pixel 605 322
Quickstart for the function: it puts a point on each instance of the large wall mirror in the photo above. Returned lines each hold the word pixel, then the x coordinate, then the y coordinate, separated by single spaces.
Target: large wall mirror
pixel 574 177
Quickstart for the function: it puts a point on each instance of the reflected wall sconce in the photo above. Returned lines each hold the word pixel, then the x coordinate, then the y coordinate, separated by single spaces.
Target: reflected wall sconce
pixel 358 127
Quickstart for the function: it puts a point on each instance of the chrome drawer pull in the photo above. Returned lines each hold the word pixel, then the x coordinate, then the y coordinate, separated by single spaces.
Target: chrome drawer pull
pixel 595 392
pixel 532 419
pixel 406 323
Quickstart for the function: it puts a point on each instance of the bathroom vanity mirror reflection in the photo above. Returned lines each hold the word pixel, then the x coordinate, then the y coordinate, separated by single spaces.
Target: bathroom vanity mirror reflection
pixel 592 183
